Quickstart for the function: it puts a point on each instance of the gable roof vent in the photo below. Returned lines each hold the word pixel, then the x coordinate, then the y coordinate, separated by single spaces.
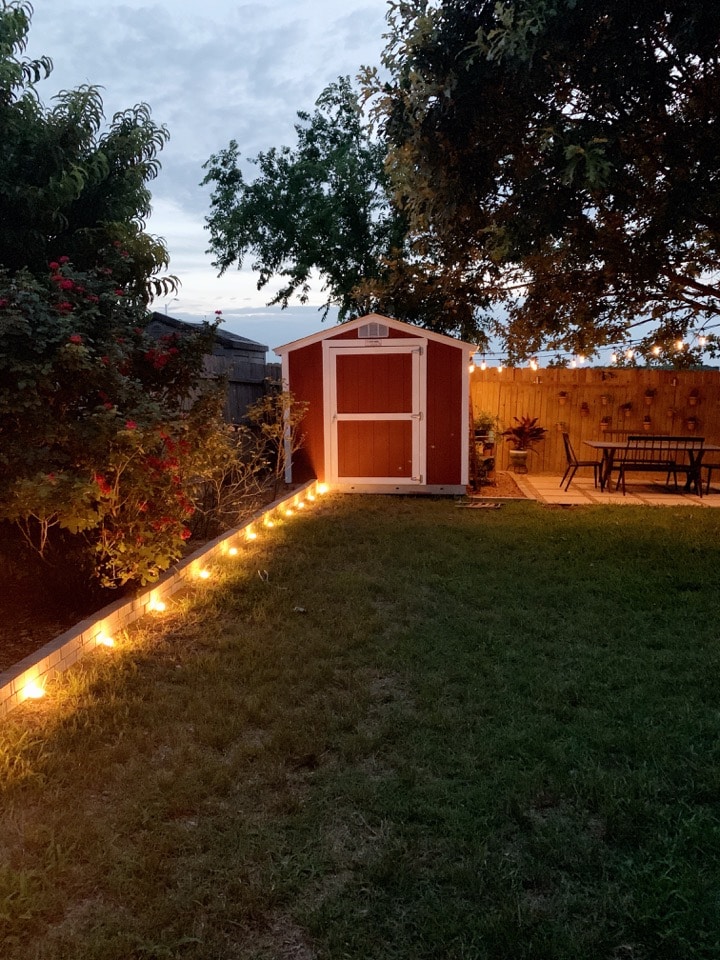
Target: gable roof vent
pixel 372 331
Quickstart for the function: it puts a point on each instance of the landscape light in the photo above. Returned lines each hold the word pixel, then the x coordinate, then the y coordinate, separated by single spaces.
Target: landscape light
pixel 156 606
pixel 269 522
pixel 322 488
pixel 204 574
pixel 233 552
pixel 250 534
pixel 34 690
pixel 103 640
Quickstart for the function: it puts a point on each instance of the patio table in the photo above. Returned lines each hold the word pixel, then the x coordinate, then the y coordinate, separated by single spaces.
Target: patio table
pixel 609 446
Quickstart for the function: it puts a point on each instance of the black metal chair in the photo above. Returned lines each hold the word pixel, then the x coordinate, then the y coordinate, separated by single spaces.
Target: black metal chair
pixel 709 467
pixel 573 464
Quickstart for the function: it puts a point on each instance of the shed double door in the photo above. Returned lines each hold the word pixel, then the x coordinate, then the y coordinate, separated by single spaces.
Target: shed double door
pixel 376 421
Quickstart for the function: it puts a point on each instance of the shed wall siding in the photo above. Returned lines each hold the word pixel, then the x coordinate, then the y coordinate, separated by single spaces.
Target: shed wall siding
pixel 305 371
pixel 444 413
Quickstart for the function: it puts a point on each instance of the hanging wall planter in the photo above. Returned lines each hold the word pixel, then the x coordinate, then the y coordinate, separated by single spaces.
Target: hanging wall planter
pixel 562 398
pixel 584 410
pixel 626 409
pixel 691 424
pixel 693 398
pixel 647 423
pixel 649 397
pixel 605 424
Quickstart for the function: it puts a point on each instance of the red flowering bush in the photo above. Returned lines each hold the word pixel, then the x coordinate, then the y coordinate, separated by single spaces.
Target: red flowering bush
pixel 101 427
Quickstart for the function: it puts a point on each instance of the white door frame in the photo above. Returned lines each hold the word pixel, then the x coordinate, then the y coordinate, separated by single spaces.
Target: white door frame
pixel 417 348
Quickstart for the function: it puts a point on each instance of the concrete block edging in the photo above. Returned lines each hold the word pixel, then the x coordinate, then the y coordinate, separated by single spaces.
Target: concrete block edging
pixel 19 681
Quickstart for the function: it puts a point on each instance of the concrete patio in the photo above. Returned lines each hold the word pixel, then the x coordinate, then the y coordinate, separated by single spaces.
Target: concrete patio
pixel 545 487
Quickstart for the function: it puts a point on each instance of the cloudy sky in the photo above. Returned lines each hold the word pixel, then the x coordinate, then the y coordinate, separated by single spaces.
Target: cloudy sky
pixel 212 71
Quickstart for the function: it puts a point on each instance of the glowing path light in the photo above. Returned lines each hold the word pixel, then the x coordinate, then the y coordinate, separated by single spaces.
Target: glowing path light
pixel 34 690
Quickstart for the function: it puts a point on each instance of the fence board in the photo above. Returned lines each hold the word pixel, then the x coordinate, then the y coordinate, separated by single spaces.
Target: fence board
pixel 599 400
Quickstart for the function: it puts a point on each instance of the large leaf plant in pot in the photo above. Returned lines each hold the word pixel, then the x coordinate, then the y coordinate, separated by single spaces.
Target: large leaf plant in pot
pixel 523 437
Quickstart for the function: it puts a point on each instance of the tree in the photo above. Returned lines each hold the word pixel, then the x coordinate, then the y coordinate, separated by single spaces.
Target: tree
pixel 324 207
pixel 320 207
pixel 564 157
pixel 66 188
pixel 101 428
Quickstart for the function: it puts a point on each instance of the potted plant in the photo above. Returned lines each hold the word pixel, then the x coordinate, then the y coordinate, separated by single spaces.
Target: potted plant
pixel 485 426
pixel 522 439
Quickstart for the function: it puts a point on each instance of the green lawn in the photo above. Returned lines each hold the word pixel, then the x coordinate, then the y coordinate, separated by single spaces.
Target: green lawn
pixel 397 729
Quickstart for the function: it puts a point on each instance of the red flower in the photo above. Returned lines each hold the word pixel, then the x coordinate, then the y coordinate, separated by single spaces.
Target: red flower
pixel 103 485
pixel 65 307
pixel 75 338
pixel 186 534
pixel 54 265
pixel 64 259
pixel 67 284
pixel 130 425
pixel 119 292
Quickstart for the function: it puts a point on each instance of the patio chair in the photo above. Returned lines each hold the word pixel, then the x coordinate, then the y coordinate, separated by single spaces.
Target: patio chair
pixel 709 467
pixel 573 464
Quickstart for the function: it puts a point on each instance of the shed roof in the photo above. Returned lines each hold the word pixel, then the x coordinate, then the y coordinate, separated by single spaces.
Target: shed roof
pixel 368 318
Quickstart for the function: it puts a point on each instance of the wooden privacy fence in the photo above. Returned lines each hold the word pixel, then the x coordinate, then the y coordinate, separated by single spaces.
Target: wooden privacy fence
pixel 590 402
pixel 246 382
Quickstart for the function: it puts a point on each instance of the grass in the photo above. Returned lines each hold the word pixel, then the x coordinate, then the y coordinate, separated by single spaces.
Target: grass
pixel 398 729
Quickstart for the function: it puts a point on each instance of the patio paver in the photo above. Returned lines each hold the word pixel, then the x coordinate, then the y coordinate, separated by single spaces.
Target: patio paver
pixel 545 487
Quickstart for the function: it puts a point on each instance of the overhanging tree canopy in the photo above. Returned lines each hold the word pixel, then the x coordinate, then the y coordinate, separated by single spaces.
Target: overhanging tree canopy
pixel 565 155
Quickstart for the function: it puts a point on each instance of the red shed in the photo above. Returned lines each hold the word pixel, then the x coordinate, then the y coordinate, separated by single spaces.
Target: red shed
pixel 388 407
